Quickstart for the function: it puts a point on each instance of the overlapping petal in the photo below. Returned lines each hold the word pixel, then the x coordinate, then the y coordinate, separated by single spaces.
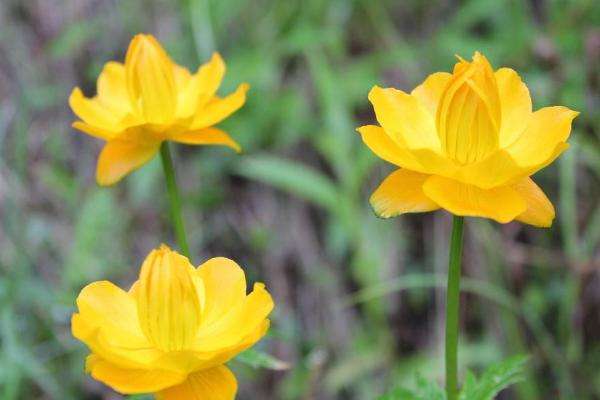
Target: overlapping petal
pixel 120 157
pixel 150 80
pixel 108 323
pixel 95 114
pixel 217 109
pixel 385 147
pixel 401 192
pixel 239 323
pixel 217 383
pixel 404 118
pixel 207 136
pixel 502 204
pixel 468 116
pixel 540 211
pixel 131 380
pixel 515 103
pixel 543 139
pixel 431 90
pixel 168 305
pixel 224 286
pixel 196 90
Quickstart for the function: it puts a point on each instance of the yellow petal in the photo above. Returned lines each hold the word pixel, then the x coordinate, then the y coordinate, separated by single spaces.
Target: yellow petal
pixel 218 109
pixel 94 131
pixel 168 304
pixel 401 192
pixel 132 381
pixel 201 87
pixel 386 148
pixel 540 211
pixel 515 103
pixel 468 117
pixel 499 169
pixel 182 77
pixel 111 309
pixel 94 113
pixel 120 157
pixel 207 136
pixel 112 88
pixel 430 91
pixel 238 324
pixel 107 322
pixel 150 80
pixel 404 118
pixel 224 287
pixel 217 383
pixel 502 204
pixel 546 133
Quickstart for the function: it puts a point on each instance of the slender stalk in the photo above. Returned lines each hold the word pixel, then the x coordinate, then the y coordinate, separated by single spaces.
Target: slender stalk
pixel 452 308
pixel 167 163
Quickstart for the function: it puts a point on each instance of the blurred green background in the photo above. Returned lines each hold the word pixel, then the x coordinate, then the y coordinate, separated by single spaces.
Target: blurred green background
pixel 359 299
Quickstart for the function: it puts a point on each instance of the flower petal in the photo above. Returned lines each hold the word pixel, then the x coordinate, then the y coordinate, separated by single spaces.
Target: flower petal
pixel 94 131
pixel 468 117
pixel 224 287
pixel 107 322
pixel 430 91
pixel 150 80
pixel 502 204
pixel 548 130
pixel 218 109
pixel 132 381
pixel 167 300
pixel 380 143
pixel 540 211
pixel 207 136
pixel 234 327
pixel 217 383
pixel 515 103
pixel 201 87
pixel 401 192
pixel 94 113
pixel 120 157
pixel 499 169
pixel 112 88
pixel 404 118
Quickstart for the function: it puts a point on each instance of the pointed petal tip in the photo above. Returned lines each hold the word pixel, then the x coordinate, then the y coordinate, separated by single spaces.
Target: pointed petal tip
pixel 361 129
pixel 243 87
pixel 216 56
pixel 164 248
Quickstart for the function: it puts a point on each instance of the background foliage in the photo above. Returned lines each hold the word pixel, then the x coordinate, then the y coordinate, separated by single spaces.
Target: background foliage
pixel 359 300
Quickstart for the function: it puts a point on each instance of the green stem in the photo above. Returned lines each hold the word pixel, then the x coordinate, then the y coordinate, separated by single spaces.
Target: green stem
pixel 167 162
pixel 452 308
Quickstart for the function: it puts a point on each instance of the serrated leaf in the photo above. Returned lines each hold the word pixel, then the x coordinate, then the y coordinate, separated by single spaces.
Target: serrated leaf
pixel 259 359
pixel 292 177
pixel 496 378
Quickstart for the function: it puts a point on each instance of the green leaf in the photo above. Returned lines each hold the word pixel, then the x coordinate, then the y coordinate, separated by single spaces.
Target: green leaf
pixel 291 177
pixel 496 378
pixel 258 359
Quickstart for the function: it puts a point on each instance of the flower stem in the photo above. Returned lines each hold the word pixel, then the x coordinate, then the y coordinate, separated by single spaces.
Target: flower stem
pixel 167 163
pixel 452 308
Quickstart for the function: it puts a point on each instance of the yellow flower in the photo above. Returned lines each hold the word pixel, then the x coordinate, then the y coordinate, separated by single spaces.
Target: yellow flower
pixel 466 142
pixel 150 99
pixel 171 333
